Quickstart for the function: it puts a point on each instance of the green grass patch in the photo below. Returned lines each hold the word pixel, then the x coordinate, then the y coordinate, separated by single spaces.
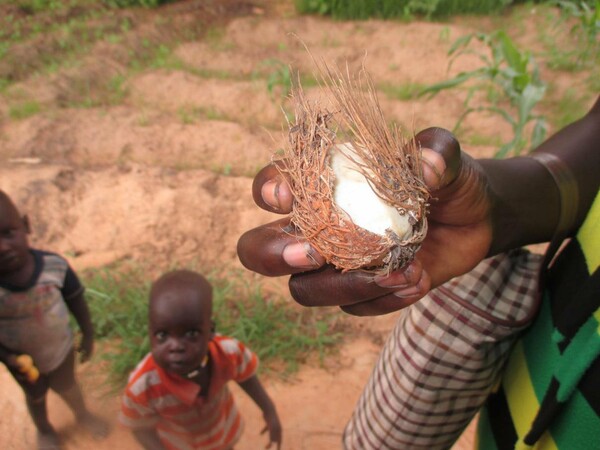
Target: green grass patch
pixel 281 333
pixel 398 9
pixel 24 110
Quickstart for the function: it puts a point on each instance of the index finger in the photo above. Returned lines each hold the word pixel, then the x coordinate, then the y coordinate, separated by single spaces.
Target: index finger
pixel 276 249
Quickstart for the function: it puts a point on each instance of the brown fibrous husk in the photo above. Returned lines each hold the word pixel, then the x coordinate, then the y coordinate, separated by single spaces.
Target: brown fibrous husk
pixel 391 164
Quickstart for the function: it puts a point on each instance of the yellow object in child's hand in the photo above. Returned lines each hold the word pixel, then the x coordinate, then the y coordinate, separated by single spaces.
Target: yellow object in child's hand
pixel 26 366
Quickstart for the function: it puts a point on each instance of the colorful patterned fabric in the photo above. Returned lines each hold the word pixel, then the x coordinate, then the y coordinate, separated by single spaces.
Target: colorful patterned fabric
pixel 185 420
pixel 444 357
pixel 34 319
pixel 550 395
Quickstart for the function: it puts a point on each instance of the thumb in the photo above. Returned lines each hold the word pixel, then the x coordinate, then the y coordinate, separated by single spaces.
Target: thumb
pixel 441 157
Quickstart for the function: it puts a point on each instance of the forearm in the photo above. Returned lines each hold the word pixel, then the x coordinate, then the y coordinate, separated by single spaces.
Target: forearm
pixel 253 387
pixel 80 311
pixel 526 202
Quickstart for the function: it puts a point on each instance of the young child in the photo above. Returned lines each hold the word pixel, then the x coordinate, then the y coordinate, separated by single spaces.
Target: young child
pixel 37 291
pixel 177 397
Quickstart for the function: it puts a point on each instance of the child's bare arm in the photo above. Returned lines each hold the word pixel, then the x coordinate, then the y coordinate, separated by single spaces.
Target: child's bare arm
pixel 7 356
pixel 253 387
pixel 79 308
pixel 148 438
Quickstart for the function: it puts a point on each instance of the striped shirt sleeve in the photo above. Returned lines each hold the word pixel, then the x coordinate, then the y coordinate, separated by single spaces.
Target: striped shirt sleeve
pixel 243 359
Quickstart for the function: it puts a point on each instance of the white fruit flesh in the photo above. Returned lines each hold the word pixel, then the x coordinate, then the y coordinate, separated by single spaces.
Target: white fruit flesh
pixel 354 195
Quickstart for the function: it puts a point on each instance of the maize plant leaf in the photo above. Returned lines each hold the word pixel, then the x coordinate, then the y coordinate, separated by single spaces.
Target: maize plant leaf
pixel 521 82
pixel 453 82
pixel 539 132
pixel 505 149
pixel 462 41
pixel 527 101
pixel 506 115
pixel 511 54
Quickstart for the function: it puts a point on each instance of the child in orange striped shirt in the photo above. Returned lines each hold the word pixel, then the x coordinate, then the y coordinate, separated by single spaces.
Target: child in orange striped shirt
pixel 177 397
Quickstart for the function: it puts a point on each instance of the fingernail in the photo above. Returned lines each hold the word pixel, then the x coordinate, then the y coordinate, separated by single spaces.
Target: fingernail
pixel 436 165
pixel 300 255
pixel 270 194
pixel 395 280
pixel 408 292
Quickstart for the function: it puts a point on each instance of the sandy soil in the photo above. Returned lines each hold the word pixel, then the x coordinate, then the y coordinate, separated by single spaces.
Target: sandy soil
pixel 164 174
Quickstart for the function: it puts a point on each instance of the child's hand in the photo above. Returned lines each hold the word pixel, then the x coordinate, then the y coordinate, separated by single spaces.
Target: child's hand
pixel 86 348
pixel 274 427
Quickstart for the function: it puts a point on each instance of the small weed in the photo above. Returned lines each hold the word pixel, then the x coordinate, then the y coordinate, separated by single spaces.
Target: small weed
pixel 278 75
pixel 405 91
pixel 24 110
pixel 215 38
pixel 116 91
pixel 444 35
pixel 4 83
pixel 211 113
pixel 188 114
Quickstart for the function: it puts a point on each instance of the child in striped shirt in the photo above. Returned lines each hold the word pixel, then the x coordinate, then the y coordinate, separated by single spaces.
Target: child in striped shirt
pixel 177 397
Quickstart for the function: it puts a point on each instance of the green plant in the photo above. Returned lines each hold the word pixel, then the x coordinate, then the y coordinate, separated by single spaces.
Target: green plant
pixel 33 6
pixel 278 75
pixel 405 91
pixel 513 84
pixel 133 3
pixel 24 110
pixel 586 28
pixel 388 9
pixel 188 114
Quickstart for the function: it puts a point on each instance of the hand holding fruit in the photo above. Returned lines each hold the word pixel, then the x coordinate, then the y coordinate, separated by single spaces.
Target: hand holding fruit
pixel 459 235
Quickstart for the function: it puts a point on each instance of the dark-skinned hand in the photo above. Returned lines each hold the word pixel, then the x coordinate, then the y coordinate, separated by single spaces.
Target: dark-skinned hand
pixel 86 348
pixel 458 238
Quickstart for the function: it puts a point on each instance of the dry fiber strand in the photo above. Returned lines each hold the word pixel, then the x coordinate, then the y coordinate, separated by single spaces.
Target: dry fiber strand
pixel 391 164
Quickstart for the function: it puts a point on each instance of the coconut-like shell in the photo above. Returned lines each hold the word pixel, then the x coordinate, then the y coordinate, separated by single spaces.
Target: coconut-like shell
pixel 390 163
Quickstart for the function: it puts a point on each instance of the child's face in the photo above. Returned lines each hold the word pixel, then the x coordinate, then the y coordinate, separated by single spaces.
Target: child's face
pixel 14 246
pixel 180 327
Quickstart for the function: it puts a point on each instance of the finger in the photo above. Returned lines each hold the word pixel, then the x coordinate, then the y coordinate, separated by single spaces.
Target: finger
pixel 391 302
pixel 315 288
pixel 436 143
pixel 277 249
pixel 271 191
